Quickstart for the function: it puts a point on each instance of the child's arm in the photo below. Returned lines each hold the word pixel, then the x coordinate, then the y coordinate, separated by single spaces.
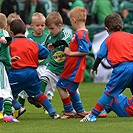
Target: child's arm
pixel 68 52
pixel 3 40
pixel 15 58
pixel 57 44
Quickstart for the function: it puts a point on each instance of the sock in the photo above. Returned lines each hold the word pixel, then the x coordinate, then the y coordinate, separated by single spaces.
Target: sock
pixel 43 100
pixel 7 106
pixel 21 101
pixel 44 81
pixel 1 104
pixel 76 101
pixel 16 104
pixel 102 102
pixel 67 104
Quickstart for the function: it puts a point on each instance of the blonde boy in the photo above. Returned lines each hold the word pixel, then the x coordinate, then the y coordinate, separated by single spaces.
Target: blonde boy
pixel 75 66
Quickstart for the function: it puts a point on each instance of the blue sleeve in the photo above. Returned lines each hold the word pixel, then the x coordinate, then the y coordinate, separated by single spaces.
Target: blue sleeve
pixel 43 52
pixel 84 45
pixel 102 53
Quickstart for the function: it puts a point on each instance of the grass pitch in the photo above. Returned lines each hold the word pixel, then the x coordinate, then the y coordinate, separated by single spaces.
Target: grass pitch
pixel 35 121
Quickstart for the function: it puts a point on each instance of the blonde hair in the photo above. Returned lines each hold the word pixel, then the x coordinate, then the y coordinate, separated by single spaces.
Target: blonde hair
pixel 79 13
pixel 12 17
pixel 3 21
pixel 53 18
pixel 38 16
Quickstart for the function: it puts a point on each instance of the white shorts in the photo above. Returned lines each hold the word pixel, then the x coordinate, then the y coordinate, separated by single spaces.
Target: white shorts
pixel 53 78
pixel 5 89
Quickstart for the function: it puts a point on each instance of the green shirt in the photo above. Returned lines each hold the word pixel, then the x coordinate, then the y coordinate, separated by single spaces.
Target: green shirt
pixel 56 59
pixel 77 3
pixel 4 51
pixel 102 8
pixel 38 39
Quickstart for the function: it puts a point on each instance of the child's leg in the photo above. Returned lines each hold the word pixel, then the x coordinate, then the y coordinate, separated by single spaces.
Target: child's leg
pixel 43 100
pixel 21 98
pixel 1 104
pixel 7 106
pixel 67 104
pixel 100 105
pixel 75 97
pixel 8 111
pixel 1 108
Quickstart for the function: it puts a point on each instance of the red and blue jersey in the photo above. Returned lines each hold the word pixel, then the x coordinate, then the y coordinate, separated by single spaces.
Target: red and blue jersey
pixel 117 48
pixel 28 51
pixel 75 65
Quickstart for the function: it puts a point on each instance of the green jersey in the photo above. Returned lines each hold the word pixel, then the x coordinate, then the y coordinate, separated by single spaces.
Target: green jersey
pixel 56 58
pixel 38 39
pixel 4 51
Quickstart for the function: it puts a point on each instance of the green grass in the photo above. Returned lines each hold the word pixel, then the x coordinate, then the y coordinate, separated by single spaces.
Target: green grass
pixel 35 121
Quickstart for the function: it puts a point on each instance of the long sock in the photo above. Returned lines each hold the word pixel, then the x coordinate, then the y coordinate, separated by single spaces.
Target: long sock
pixel 16 104
pixel 44 81
pixel 67 104
pixel 43 100
pixel 21 101
pixel 76 101
pixel 7 106
pixel 102 102
pixel 1 104
pixel 43 86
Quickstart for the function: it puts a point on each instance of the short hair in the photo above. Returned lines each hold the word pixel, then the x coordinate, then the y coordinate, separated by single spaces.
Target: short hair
pixel 53 18
pixel 3 21
pixel 11 17
pixel 79 13
pixel 113 22
pixel 38 16
pixel 18 26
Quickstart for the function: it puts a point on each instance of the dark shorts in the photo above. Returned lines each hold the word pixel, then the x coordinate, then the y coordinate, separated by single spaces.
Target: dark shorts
pixel 24 79
pixel 68 85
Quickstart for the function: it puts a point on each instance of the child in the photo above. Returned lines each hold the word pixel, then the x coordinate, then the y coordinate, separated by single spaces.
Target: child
pixel 75 65
pixel 5 64
pixel 117 48
pixel 23 74
pixel 121 105
pixel 38 35
pixel 51 68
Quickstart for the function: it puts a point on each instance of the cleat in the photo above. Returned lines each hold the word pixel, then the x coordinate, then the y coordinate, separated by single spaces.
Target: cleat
pixel 68 115
pixel 89 118
pixel 103 114
pixel 18 113
pixel 32 100
pixel 9 118
pixel 56 116
pixel 1 115
pixel 81 114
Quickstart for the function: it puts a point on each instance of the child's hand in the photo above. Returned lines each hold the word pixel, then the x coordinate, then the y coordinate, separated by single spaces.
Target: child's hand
pixel 92 73
pixel 67 51
pixel 51 47
pixel 3 40
pixel 15 58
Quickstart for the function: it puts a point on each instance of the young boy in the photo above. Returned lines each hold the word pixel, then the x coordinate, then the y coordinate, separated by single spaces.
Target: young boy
pixel 5 64
pixel 38 35
pixel 51 68
pixel 117 49
pixel 75 65
pixel 23 74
